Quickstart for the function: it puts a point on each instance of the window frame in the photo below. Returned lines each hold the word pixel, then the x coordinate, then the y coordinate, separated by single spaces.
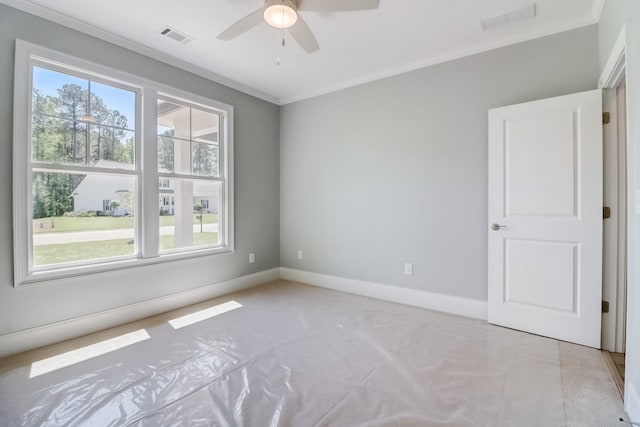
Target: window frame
pixel 28 55
pixel 176 176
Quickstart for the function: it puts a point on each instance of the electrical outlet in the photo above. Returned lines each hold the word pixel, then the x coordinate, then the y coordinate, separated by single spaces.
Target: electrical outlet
pixel 408 269
pixel 299 254
pixel 252 257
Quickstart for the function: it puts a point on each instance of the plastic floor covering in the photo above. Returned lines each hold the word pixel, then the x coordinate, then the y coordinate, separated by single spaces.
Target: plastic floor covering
pixel 286 354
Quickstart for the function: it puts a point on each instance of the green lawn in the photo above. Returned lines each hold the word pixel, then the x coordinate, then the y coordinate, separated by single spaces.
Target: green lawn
pixel 69 252
pixel 63 224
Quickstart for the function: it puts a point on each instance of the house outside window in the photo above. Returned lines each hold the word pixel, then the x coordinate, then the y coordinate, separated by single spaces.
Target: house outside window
pixel 80 134
pixel 188 155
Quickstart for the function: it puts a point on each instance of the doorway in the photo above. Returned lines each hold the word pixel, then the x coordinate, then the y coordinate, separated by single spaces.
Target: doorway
pixel 615 229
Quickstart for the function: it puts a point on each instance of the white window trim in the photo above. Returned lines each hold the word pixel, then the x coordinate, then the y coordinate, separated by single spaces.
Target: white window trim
pixel 147 223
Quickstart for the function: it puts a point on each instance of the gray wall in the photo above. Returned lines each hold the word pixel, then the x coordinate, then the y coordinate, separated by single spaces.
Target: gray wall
pixel 396 170
pixel 615 13
pixel 256 189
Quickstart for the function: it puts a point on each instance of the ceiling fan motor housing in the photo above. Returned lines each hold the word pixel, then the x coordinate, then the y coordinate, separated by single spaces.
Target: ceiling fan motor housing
pixel 280 13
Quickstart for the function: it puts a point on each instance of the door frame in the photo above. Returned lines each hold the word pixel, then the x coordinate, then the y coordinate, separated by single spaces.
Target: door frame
pixel 615 227
pixel 615 192
pixel 625 55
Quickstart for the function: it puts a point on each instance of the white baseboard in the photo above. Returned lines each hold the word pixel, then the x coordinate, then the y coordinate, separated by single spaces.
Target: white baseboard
pixel 632 402
pixel 17 342
pixel 433 301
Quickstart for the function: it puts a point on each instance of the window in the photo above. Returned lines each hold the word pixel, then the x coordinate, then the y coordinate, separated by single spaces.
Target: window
pixel 189 149
pixel 101 185
pixel 82 165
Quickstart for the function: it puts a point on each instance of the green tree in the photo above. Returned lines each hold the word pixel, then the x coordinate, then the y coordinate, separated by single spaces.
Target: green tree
pixel 204 158
pixel 99 114
pixel 165 153
pixel 52 193
pixel 73 126
pixel 73 101
pixel 47 144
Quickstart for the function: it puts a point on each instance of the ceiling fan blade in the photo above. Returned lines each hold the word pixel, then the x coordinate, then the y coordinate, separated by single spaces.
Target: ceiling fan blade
pixel 303 35
pixel 243 25
pixel 337 5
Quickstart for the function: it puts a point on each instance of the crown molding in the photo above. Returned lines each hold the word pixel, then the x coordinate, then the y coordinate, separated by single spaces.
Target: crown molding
pixel 453 55
pixel 73 23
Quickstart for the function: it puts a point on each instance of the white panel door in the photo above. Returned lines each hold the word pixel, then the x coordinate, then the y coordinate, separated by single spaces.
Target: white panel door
pixel 545 217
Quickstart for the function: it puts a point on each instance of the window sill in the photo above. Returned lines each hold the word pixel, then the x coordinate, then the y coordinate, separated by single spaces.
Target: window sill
pixel 108 267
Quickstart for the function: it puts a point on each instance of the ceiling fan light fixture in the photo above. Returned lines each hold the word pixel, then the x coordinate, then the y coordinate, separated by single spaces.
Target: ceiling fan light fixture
pixel 280 13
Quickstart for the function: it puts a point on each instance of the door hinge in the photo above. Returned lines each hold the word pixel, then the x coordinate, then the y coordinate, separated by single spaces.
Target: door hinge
pixel 605 306
pixel 606 118
pixel 606 212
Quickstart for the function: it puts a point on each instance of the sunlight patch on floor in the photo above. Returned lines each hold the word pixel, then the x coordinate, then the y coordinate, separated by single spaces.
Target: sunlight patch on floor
pixel 205 314
pixel 85 353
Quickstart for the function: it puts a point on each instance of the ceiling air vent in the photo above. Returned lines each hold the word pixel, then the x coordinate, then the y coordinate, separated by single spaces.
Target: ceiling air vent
pixel 174 34
pixel 509 18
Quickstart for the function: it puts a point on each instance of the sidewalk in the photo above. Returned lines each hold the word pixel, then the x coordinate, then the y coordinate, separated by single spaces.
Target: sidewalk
pixel 97 235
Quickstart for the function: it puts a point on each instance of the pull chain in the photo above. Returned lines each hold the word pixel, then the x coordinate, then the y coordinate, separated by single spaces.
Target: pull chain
pixel 282 44
pixel 277 49
pixel 281 35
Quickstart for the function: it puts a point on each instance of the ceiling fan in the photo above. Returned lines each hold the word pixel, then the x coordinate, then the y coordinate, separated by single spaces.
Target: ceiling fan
pixel 284 14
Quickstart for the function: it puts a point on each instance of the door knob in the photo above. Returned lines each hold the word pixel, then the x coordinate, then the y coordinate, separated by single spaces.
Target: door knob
pixel 496 227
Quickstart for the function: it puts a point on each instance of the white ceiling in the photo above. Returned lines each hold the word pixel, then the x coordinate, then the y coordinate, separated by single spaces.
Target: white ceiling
pixel 355 47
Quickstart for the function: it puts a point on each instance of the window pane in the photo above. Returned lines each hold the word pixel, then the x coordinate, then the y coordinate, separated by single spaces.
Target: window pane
pixel 165 154
pixel 185 222
pixel 112 147
pixel 112 106
pixel 82 217
pixel 174 120
pixel 58 141
pixel 59 94
pixel 67 107
pixel 204 126
pixel 204 159
pixel 174 155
